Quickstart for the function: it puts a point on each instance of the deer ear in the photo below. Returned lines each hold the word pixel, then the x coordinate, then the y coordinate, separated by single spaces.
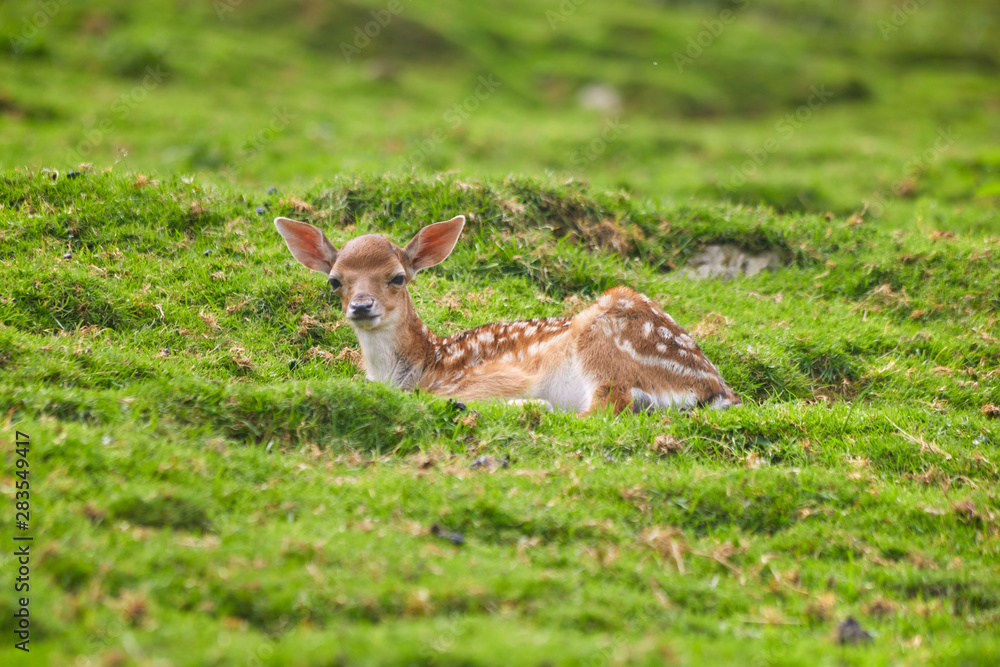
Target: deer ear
pixel 433 243
pixel 307 244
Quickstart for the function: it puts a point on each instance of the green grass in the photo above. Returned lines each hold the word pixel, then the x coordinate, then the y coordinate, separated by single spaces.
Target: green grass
pixel 206 488
pixel 263 94
pixel 213 480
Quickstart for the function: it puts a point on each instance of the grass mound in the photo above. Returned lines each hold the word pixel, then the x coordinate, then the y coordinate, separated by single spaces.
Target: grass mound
pixel 212 466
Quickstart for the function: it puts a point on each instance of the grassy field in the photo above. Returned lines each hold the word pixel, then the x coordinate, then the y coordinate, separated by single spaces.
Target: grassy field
pixel 214 482
pixel 807 106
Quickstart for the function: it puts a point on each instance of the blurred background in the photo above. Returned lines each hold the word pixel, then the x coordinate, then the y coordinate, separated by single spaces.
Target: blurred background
pixel 827 105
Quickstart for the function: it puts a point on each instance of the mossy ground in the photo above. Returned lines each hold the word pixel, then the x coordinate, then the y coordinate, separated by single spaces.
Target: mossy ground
pixel 214 477
pixel 213 480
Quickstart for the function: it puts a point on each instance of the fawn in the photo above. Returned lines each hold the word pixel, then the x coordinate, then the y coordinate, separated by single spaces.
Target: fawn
pixel 622 353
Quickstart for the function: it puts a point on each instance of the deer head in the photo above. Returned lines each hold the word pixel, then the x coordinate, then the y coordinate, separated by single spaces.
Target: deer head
pixel 370 273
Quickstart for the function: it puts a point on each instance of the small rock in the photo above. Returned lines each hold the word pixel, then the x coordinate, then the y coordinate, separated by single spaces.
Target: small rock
pixel 729 261
pixel 72 174
pixel 459 406
pixel 68 255
pixel 600 97
pixel 851 632
pixel 272 191
pixel 260 210
pixel 490 463
pixel 454 538
pixel 207 253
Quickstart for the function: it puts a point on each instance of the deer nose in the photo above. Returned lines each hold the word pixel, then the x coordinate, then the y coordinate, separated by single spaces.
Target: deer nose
pixel 361 306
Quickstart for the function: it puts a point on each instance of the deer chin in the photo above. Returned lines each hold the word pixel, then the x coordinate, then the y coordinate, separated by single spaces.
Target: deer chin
pixel 366 323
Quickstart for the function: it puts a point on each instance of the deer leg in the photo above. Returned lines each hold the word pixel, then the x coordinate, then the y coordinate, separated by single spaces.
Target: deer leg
pixel 609 396
pixel 491 381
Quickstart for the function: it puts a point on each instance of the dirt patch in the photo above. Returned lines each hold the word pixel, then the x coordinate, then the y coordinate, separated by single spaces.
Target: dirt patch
pixel 605 234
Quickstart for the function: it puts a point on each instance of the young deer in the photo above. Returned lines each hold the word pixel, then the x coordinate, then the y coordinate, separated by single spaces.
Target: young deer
pixel 622 352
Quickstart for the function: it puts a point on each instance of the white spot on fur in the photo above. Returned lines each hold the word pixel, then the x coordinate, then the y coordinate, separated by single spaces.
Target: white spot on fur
pixel 683 400
pixel 669 364
pixel 647 328
pixel 721 403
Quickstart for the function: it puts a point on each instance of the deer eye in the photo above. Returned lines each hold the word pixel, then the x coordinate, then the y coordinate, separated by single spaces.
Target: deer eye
pixel 398 280
pixel 334 283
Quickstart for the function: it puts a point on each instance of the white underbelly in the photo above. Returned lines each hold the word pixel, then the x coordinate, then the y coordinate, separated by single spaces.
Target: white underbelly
pixel 566 387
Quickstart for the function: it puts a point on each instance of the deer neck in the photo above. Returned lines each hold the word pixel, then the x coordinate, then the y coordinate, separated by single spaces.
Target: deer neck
pixel 396 352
